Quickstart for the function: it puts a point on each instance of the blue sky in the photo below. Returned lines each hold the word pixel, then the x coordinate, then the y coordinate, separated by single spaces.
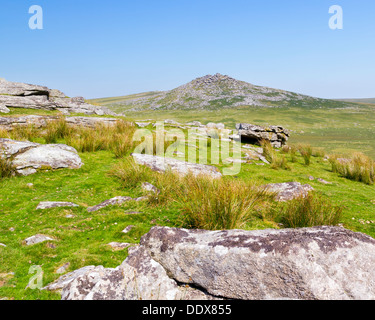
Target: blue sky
pixel 117 47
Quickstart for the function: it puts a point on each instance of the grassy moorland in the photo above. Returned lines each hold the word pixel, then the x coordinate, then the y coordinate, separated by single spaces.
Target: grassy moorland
pixel 81 238
pixel 336 130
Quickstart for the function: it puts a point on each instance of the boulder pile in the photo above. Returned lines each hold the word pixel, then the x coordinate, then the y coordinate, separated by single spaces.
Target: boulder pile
pixel 277 135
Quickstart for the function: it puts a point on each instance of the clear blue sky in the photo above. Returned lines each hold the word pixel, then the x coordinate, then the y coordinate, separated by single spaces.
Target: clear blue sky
pixel 117 47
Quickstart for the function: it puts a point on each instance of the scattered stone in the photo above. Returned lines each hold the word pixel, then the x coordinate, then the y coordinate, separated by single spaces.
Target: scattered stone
pixel 149 187
pixel 288 190
pixel 111 202
pixel 128 229
pixel 231 160
pixel 180 167
pixel 171 122
pixel 11 229
pixel 323 181
pixel 54 204
pixel 311 178
pixel 4 109
pixel 142 124
pixel 144 198
pixel 36 239
pixel 70 216
pixel 133 212
pixel 327 263
pixel 2 245
pixel 30 185
pixel 277 135
pixel 117 246
pixel 194 123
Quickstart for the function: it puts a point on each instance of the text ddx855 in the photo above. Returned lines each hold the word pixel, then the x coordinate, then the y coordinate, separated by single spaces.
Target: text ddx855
pixel 189 309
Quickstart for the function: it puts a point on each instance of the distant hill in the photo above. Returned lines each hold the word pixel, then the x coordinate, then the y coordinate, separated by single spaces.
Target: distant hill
pixel 368 101
pixel 213 92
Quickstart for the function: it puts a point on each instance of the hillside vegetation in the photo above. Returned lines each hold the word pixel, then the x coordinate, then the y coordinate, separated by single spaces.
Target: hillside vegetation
pixel 81 238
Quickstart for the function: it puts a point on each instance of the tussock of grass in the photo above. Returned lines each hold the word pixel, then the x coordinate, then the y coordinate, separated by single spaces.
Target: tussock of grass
pixel 277 161
pixel 306 152
pixel 6 168
pixel 309 211
pixel 117 138
pixel 359 168
pixel 219 204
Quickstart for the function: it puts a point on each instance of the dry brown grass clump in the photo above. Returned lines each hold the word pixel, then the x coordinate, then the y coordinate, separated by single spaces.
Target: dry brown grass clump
pixel 358 168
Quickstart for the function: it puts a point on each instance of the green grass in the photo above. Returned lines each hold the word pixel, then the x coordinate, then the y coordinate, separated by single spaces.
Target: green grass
pixel 83 240
pixel 341 131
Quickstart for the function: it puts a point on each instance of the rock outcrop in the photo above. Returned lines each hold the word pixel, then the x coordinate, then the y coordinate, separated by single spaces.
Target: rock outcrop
pixel 323 263
pixel 22 95
pixel 28 157
pixel 180 167
pixel 9 123
pixel 277 135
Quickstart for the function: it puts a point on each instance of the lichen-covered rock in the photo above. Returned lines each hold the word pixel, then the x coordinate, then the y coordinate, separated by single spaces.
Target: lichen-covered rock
pixel 288 190
pixel 28 157
pixel 180 167
pixel 310 263
pixel 277 135
pixel 139 277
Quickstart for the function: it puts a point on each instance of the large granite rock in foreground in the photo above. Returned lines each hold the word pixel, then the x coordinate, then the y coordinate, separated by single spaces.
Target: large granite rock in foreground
pixel 180 167
pixel 327 263
pixel 309 263
pixel 22 95
pixel 27 157
pixel 277 135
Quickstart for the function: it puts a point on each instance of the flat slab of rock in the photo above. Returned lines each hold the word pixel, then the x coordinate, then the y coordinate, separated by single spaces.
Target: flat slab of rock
pixel 37 239
pixel 288 190
pixel 54 204
pixel 111 202
pixel 28 157
pixel 180 167
pixel 328 263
